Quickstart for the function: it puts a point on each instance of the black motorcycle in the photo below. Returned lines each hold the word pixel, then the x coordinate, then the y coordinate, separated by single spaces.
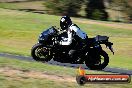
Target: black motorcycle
pixel 90 53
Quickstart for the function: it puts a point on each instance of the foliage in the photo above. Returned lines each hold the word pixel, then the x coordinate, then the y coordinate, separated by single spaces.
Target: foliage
pixel 96 10
pixel 124 6
pixel 64 7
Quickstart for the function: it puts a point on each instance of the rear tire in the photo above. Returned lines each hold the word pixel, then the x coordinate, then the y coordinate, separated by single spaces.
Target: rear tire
pixel 40 53
pixel 99 66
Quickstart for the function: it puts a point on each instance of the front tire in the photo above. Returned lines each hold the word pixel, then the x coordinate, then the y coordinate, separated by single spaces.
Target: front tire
pixel 99 66
pixel 40 53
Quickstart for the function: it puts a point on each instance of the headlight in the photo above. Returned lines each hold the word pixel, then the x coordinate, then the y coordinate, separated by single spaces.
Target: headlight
pixel 41 37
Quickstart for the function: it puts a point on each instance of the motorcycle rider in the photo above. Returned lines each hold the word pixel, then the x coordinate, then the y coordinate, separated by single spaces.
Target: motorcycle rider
pixel 73 32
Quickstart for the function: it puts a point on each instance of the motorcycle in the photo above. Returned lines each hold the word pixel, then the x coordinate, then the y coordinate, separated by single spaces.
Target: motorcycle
pixel 91 54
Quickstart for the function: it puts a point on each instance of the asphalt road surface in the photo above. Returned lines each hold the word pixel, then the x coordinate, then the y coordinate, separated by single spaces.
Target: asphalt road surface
pixel 107 69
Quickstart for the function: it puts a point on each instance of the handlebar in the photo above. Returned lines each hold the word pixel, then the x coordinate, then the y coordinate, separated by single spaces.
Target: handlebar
pixel 109 45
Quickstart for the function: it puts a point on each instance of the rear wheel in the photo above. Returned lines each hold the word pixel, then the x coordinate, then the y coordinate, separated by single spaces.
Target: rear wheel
pixel 40 53
pixel 100 64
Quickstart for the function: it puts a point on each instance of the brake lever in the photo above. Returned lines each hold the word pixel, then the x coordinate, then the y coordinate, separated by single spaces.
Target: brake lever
pixel 111 49
pixel 109 45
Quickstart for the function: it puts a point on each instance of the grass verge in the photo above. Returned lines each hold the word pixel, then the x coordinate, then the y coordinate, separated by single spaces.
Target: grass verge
pixel 23 74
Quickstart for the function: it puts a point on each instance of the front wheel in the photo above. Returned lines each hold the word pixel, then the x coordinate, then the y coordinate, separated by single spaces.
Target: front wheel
pixel 100 64
pixel 40 53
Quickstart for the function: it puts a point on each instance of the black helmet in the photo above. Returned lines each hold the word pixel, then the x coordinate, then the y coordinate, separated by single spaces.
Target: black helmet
pixel 65 22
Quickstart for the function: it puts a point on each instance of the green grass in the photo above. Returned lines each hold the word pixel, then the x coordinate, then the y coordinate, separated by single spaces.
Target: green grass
pixel 8 82
pixel 20 81
pixel 36 5
pixel 7 5
pixel 19 31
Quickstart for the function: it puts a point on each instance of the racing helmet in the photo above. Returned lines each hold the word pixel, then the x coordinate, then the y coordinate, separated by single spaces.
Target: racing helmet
pixel 65 22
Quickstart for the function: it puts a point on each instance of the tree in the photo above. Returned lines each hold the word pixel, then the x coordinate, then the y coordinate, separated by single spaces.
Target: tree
pixel 124 6
pixel 64 7
pixel 95 9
